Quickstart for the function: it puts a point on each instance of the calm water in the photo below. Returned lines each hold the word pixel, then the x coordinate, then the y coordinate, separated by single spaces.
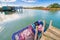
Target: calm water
pixel 27 17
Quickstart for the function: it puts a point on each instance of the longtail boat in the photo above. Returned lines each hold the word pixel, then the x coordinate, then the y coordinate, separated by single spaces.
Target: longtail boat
pixel 28 33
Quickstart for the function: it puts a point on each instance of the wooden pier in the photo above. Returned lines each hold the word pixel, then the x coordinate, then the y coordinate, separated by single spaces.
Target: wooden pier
pixel 52 33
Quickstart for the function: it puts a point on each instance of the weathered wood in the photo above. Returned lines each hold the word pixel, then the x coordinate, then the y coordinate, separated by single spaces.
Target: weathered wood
pixel 51 34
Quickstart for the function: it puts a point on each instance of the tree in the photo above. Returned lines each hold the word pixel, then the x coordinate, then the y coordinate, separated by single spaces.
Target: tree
pixel 55 5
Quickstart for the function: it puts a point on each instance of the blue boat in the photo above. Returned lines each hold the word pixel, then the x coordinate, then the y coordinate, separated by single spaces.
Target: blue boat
pixel 28 32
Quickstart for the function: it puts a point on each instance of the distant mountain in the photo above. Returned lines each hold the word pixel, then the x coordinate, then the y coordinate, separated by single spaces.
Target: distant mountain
pixel 54 5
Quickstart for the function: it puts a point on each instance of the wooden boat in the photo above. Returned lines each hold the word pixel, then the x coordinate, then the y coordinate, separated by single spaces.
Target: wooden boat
pixel 28 33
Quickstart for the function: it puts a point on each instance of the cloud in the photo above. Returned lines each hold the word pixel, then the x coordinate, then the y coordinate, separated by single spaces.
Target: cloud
pixel 7 0
pixel 29 0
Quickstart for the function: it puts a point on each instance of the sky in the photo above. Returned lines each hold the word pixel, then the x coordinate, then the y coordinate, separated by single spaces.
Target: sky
pixel 28 3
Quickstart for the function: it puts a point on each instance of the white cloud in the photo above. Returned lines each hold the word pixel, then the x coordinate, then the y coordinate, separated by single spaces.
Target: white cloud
pixel 7 0
pixel 29 0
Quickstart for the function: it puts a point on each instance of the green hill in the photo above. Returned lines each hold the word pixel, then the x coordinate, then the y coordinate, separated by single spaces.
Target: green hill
pixel 55 5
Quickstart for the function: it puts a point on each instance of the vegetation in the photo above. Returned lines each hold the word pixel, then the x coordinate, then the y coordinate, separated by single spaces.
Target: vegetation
pixel 33 7
pixel 55 5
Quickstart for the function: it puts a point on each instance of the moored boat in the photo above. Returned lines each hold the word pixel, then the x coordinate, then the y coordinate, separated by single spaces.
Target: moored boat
pixel 28 33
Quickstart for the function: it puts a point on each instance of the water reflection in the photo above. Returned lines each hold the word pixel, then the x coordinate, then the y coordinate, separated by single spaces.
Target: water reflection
pixel 9 16
pixel 53 11
pixel 1 28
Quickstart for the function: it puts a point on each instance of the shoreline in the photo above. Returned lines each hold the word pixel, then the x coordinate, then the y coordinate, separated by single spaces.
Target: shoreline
pixel 44 8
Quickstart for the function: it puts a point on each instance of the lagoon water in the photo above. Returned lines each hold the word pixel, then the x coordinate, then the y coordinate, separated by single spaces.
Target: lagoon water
pixel 26 17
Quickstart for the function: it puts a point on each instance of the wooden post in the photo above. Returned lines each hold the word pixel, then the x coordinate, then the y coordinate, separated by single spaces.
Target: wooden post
pixel 43 27
pixel 35 38
pixel 50 23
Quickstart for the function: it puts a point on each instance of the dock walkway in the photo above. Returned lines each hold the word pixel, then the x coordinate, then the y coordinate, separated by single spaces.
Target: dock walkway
pixel 52 33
